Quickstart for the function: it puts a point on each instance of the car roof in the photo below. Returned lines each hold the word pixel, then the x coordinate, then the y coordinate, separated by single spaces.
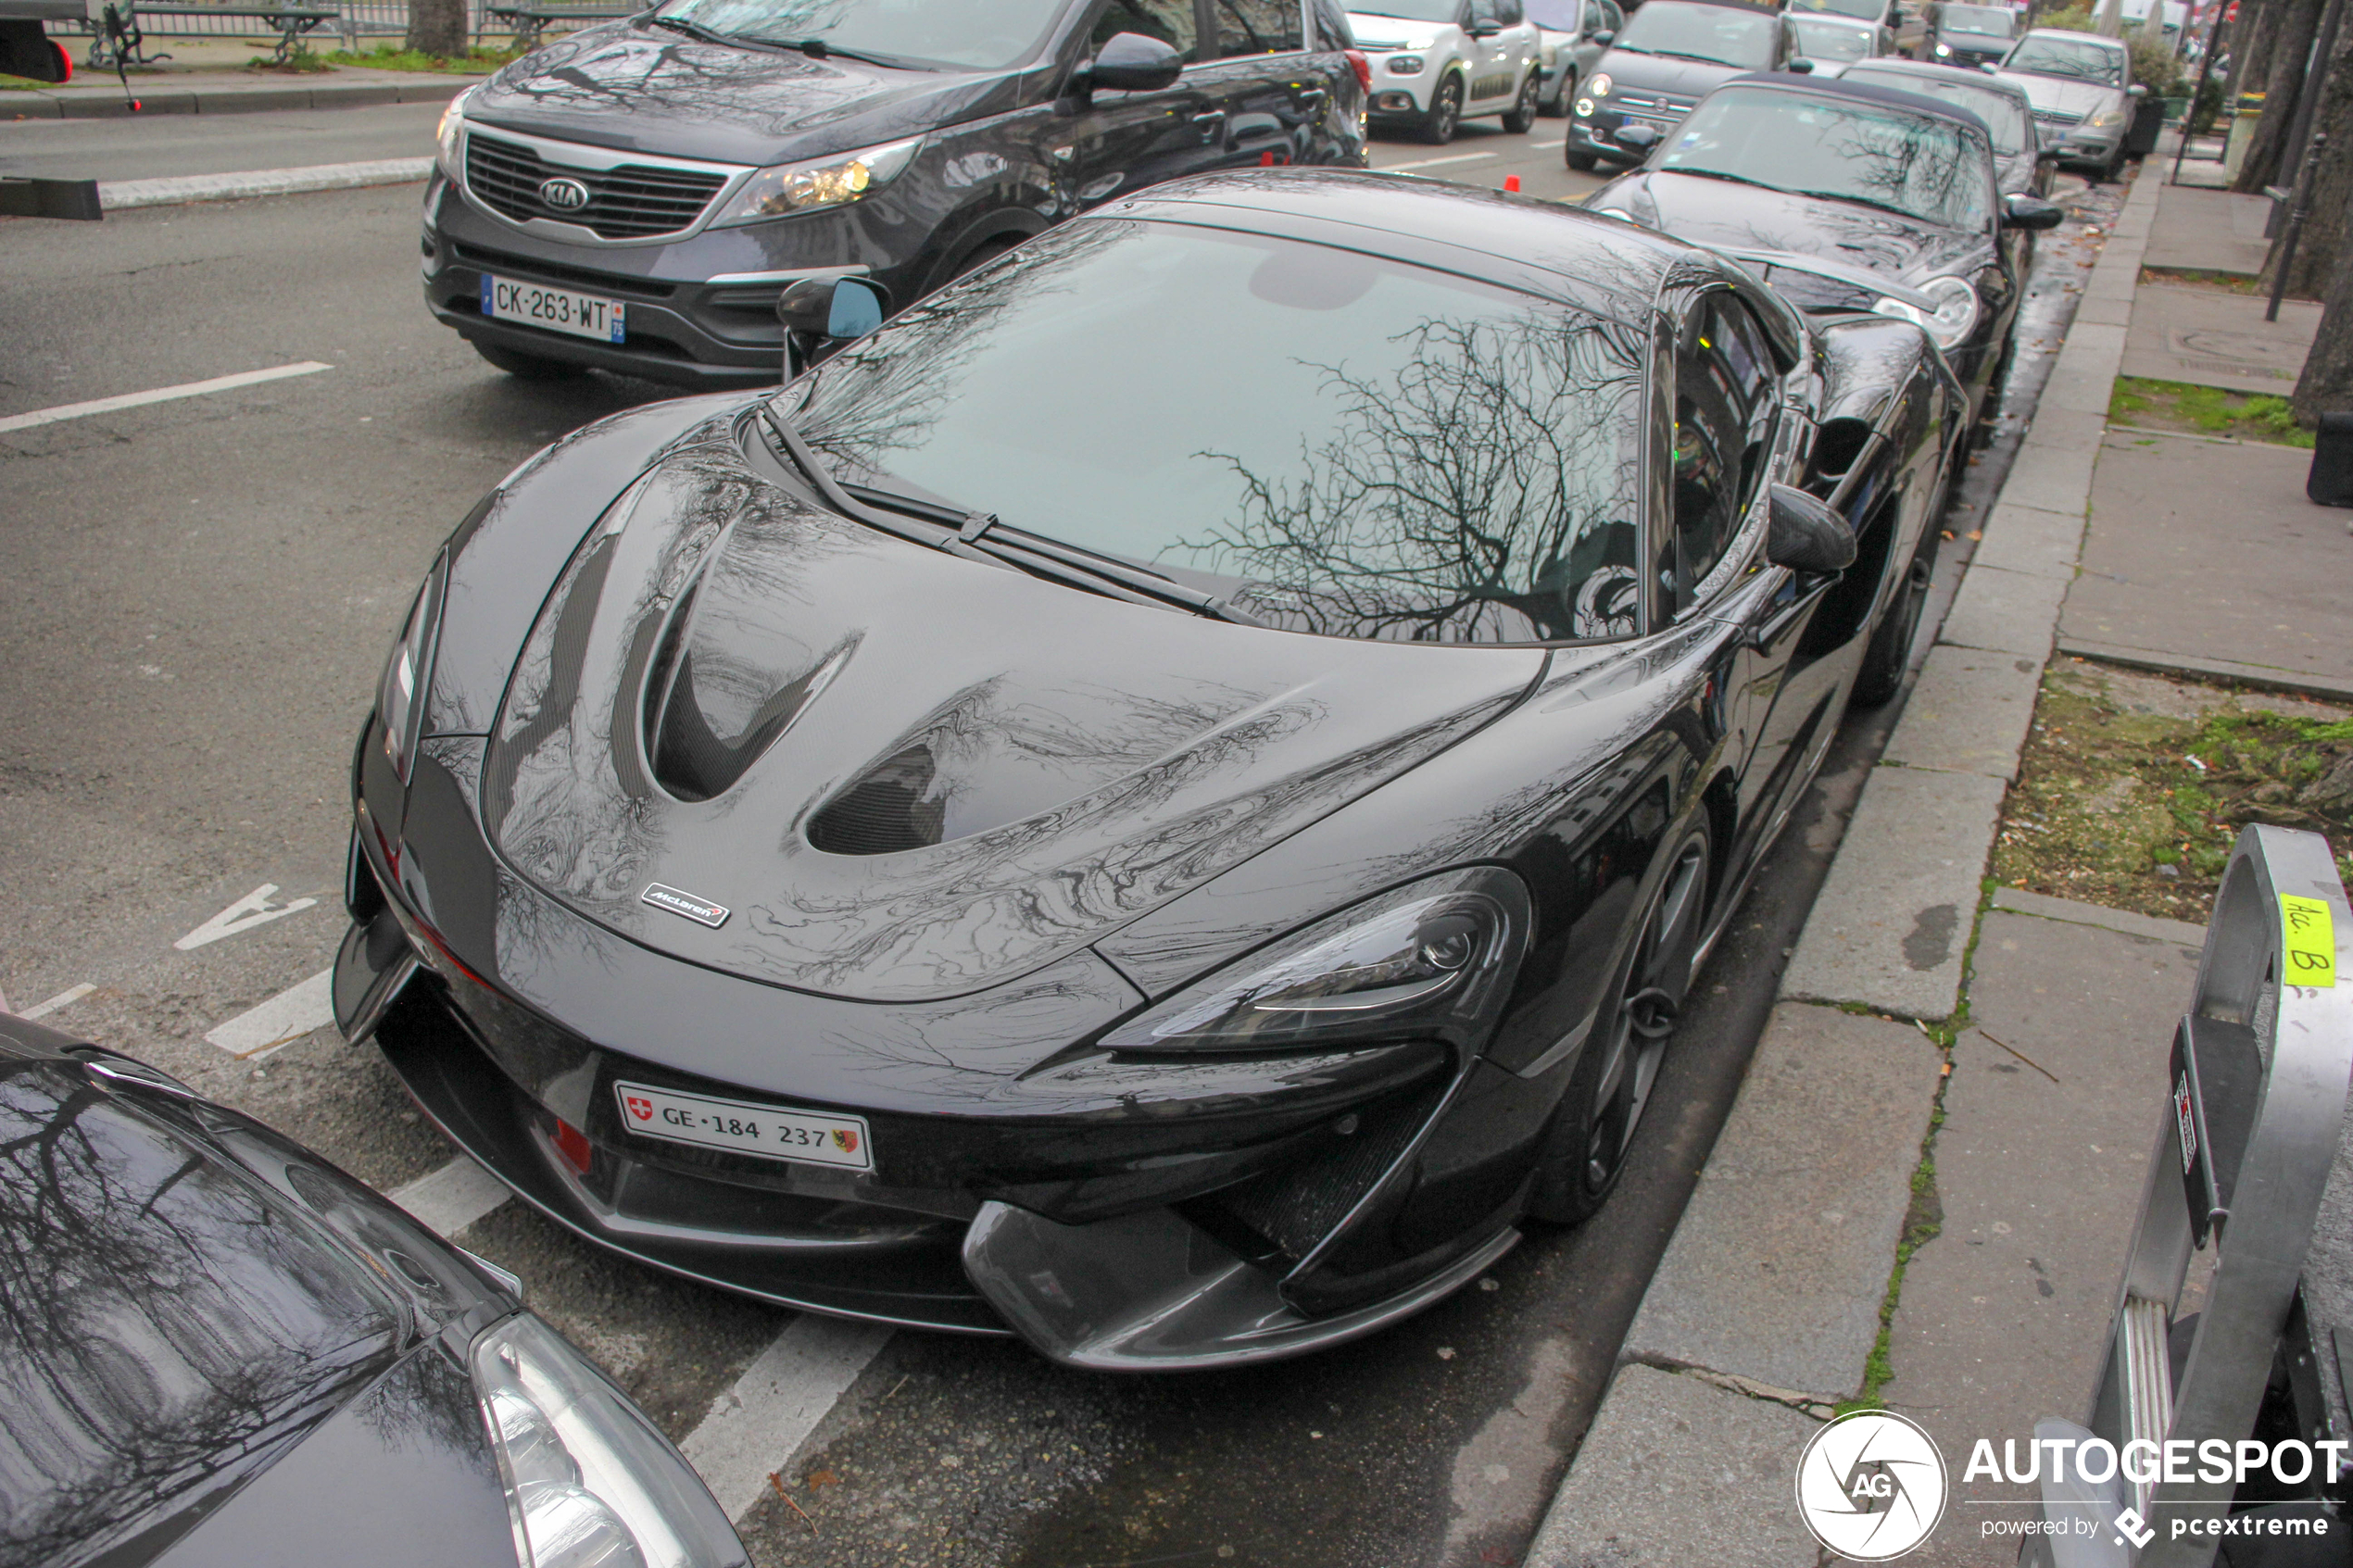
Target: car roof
pixel 1958 75
pixel 1595 264
pixel 1886 97
pixel 2115 44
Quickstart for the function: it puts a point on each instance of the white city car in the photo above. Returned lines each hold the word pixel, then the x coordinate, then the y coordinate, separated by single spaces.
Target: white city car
pixel 1438 62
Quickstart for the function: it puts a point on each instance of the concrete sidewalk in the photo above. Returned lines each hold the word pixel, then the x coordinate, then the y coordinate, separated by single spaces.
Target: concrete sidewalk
pixel 97 95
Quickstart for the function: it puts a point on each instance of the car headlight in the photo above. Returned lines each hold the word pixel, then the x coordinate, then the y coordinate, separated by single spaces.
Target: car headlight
pixel 2104 120
pixel 1599 86
pixel 1956 314
pixel 445 135
pixel 590 1484
pixel 787 188
pixel 1944 49
pixel 1584 105
pixel 1434 959
pixel 401 695
pixel 1407 65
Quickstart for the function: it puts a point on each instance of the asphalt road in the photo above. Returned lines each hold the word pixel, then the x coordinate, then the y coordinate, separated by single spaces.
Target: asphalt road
pixel 196 597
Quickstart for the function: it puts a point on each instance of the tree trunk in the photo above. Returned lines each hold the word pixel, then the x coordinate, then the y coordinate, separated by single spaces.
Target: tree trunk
pixel 2250 46
pixel 2326 387
pixel 2291 50
pixel 437 28
pixel 2322 248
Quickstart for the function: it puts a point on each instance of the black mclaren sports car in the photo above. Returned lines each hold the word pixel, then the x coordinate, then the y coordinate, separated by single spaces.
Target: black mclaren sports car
pixel 1166 801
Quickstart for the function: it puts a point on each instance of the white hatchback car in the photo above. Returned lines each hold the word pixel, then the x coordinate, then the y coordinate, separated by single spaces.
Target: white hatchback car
pixel 1437 62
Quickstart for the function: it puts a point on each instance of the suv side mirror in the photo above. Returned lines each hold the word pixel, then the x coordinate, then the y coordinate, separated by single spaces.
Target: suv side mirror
pixel 1804 535
pixel 2136 91
pixel 1801 66
pixel 1129 62
pixel 2023 209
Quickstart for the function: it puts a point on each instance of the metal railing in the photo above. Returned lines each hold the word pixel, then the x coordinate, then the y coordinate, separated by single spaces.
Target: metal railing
pixel 361 19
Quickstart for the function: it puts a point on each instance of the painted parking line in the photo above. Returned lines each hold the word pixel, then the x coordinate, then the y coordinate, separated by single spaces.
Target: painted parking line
pixel 278 1022
pixel 64 999
pixel 160 395
pixel 253 909
pixel 452 1197
pixel 1548 146
pixel 1432 162
pixel 756 1428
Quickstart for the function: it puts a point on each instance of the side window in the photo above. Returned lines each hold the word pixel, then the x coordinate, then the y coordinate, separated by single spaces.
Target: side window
pixel 1613 18
pixel 1723 432
pixel 1171 21
pixel 1596 20
pixel 1256 27
pixel 1510 12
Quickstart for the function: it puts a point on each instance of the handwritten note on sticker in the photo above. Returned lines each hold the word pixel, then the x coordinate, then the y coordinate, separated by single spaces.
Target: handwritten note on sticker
pixel 2310 957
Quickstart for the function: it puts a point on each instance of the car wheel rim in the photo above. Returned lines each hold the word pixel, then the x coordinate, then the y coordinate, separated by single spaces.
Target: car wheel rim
pixel 1643 1022
pixel 1526 108
pixel 1450 101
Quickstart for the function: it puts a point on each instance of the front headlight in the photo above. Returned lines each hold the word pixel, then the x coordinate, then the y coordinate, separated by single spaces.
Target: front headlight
pixel 1599 86
pixel 1945 49
pixel 1407 65
pixel 1432 960
pixel 445 135
pixel 1956 316
pixel 401 695
pixel 2104 120
pixel 805 187
pixel 590 1484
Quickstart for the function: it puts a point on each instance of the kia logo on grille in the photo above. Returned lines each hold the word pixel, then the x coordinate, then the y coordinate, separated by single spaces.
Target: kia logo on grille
pixel 564 195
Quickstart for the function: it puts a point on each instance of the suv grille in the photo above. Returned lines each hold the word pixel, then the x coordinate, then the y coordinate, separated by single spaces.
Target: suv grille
pixel 2056 116
pixel 633 202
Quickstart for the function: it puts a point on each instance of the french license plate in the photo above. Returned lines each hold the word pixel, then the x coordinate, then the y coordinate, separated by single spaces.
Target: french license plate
pixel 536 305
pixel 744 1128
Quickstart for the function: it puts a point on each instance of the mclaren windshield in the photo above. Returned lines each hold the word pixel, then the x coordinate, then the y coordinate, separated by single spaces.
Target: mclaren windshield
pixel 1724 36
pixel 936 34
pixel 1871 154
pixel 1327 441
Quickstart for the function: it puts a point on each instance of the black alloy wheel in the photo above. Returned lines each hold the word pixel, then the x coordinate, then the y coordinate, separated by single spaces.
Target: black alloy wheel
pixel 529 367
pixel 1522 114
pixel 1445 115
pixel 1890 652
pixel 1585 1151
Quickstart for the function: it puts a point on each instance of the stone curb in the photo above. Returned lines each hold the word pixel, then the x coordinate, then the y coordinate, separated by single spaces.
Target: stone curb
pixel 104 101
pixel 1888 931
pixel 115 195
pixel 2264 677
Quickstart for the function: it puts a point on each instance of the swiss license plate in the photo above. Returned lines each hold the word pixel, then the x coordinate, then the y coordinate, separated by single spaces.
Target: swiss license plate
pixel 769 1131
pixel 536 305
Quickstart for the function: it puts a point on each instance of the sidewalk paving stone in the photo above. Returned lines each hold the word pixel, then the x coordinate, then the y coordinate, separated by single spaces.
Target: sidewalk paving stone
pixel 1676 1471
pixel 1778 1269
pixel 2021 538
pixel 2212 338
pixel 2050 477
pixel 2208 232
pixel 1970 711
pixel 2019 900
pixel 2004 1316
pixel 2003 612
pixel 2067 430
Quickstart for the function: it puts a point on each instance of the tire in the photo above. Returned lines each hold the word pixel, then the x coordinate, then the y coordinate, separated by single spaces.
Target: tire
pixel 1556 107
pixel 1445 116
pixel 1521 117
pixel 981 256
pixel 1890 651
pixel 529 367
pixel 1584 163
pixel 1989 407
pixel 1586 1147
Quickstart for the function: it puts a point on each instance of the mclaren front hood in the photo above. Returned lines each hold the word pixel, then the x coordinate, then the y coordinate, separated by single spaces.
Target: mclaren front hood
pixel 1716 212
pixel 769 740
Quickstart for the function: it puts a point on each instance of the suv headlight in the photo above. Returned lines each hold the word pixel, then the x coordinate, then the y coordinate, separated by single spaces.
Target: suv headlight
pixel 445 135
pixel 1434 959
pixel 787 188
pixel 2104 120
pixel 1956 315
pixel 590 1484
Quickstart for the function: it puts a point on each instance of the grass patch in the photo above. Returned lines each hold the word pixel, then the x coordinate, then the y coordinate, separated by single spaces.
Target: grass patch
pixel 2204 410
pixel 2132 790
pixel 1923 1222
pixel 298 62
pixel 384 56
pixel 22 84
pixel 2197 278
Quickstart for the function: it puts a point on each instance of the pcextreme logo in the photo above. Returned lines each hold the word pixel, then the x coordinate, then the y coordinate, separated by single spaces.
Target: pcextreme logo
pixel 1871 1486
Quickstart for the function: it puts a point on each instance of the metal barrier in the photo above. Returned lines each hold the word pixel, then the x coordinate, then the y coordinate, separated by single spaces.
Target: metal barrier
pixel 360 19
pixel 2258 1076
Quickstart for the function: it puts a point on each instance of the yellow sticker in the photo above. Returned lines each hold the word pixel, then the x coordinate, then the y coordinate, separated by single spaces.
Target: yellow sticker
pixel 2310 957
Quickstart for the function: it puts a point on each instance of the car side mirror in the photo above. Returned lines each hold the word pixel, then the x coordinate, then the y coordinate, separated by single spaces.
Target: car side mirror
pixel 1804 535
pixel 2023 209
pixel 1484 28
pixel 2136 91
pixel 833 307
pixel 1129 62
pixel 1605 38
pixel 1801 66
pixel 1641 138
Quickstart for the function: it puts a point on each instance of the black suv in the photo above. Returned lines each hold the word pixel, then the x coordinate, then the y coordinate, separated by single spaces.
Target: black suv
pixel 635 196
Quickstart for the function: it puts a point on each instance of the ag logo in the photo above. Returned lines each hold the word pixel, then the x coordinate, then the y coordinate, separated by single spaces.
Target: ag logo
pixel 1870 1486
pixel 564 195
pixel 643 1110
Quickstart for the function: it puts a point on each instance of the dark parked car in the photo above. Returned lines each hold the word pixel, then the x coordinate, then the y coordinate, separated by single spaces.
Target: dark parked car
pixel 1669 57
pixel 1902 18
pixel 1852 197
pixel 2023 164
pixel 1970 35
pixel 1832 42
pixel 634 198
pixel 1167 799
pixel 219 1349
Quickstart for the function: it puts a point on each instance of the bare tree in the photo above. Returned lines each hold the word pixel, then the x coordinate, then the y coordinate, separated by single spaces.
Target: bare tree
pixel 2322 247
pixel 2291 52
pixel 437 28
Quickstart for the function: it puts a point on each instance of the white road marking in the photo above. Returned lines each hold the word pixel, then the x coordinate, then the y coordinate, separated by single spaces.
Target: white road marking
pixel 1549 146
pixel 1432 162
pixel 114 196
pixel 161 394
pixel 244 915
pixel 64 999
pixel 452 1197
pixel 756 1428
pixel 280 1020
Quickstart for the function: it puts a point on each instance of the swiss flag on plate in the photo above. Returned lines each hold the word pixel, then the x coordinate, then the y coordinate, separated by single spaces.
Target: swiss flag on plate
pixel 643 1110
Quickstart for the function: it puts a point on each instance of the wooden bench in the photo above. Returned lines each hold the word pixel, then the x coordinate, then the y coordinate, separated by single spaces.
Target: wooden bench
pixel 121 29
pixel 530 21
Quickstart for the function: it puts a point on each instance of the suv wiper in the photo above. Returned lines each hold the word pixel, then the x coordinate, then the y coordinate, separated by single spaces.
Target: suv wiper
pixel 818 49
pixel 979 536
pixel 694 29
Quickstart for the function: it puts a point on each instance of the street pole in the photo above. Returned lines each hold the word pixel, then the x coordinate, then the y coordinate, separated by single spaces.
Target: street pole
pixel 2305 179
pixel 2307 100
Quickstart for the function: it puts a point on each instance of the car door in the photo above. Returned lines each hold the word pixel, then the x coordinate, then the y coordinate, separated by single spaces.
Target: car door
pixel 1261 78
pixel 1118 141
pixel 1489 45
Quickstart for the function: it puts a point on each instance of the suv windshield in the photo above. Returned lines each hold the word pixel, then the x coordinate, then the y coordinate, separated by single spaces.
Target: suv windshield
pixel 1728 36
pixel 1332 441
pixel 2002 115
pixel 2064 56
pixel 1923 167
pixel 1824 38
pixel 1990 21
pixel 966 34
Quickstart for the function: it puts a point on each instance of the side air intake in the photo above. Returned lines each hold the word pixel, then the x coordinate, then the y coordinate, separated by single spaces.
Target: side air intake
pixel 891 808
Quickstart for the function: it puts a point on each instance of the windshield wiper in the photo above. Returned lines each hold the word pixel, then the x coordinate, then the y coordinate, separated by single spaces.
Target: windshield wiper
pixel 1737 179
pixel 1680 55
pixel 979 536
pixel 818 49
pixel 693 29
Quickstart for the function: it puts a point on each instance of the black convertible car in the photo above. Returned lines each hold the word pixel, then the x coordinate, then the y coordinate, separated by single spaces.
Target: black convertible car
pixel 1852 197
pixel 217 1350
pixel 1167 799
